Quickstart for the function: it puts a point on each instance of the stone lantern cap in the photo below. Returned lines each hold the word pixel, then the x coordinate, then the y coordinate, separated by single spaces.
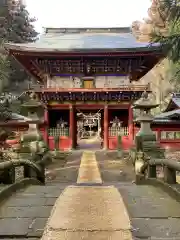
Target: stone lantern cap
pixel 33 102
pixel 145 102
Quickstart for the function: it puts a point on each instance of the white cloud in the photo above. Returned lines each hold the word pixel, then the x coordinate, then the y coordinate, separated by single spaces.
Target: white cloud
pixel 81 13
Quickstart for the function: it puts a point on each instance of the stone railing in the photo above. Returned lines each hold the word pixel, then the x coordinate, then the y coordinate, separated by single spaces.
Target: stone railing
pixel 148 167
pixel 162 169
pixel 30 169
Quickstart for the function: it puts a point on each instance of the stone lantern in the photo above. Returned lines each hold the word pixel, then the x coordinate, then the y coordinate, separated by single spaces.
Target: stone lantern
pixel 32 140
pixel 148 137
pixel 33 106
pixel 145 104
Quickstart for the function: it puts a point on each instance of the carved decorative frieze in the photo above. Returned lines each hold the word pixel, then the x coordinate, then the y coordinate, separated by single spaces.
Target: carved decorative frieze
pixel 89 96
pixel 110 65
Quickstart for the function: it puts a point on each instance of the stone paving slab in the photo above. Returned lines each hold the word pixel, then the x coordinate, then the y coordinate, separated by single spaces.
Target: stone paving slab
pixel 149 201
pixel 14 226
pixel 160 228
pixel 89 213
pixel 37 227
pixel 89 171
pixel 26 214
pixel 154 215
pixel 19 238
pixel 88 235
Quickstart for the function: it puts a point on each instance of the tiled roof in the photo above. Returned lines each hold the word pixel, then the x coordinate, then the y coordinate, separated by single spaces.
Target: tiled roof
pixel 15 116
pixel 176 101
pixel 168 114
pixel 85 39
pixel 165 121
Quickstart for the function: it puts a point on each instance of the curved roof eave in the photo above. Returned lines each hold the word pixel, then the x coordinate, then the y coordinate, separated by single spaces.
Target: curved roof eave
pixel 23 48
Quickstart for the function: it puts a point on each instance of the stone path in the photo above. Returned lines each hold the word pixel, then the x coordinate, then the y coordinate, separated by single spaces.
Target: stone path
pixel 98 201
pixel 89 171
pixel 25 214
pixel 89 212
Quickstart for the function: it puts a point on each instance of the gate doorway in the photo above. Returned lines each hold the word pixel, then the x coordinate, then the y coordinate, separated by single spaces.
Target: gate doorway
pixel 89 128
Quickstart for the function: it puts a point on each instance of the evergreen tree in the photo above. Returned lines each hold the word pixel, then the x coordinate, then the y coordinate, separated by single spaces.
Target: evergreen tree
pixel 15 26
pixel 170 40
pixel 21 31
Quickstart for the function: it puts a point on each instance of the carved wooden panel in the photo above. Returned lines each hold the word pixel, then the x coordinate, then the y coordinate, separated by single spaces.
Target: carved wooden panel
pixel 97 65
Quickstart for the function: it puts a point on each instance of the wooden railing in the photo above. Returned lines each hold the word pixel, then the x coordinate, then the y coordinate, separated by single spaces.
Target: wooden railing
pixel 115 131
pixel 53 132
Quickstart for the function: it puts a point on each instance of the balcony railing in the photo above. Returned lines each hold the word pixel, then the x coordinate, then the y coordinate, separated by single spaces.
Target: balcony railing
pixel 129 87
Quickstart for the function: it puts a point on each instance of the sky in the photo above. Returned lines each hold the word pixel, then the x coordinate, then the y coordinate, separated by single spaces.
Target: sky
pixel 84 13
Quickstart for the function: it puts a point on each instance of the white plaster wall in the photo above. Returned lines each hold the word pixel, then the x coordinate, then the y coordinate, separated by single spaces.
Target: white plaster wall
pixel 100 82
pixel 111 81
pixel 64 82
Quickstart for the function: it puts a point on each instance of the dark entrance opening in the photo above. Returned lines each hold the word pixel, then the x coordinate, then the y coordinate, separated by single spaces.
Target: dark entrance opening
pixel 58 123
pixel 89 128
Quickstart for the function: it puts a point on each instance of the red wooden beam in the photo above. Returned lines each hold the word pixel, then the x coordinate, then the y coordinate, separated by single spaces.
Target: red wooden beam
pixel 58 106
pixel 86 106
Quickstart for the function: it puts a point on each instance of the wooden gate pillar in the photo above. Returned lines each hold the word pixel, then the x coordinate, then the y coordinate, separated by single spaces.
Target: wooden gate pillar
pixel 106 128
pixel 46 126
pixel 72 130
